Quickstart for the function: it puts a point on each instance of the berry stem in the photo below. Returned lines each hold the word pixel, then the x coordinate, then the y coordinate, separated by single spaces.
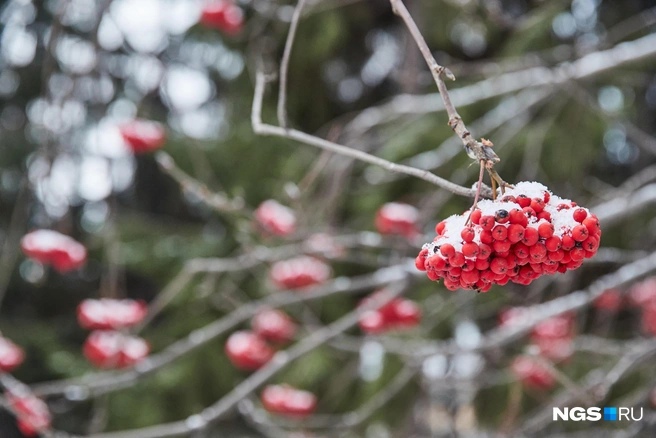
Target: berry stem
pixel 478 191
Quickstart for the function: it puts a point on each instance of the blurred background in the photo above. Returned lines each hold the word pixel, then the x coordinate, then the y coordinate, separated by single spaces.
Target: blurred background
pixel 566 90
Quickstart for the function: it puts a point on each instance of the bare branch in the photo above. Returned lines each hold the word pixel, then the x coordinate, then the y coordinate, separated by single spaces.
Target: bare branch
pixel 265 129
pixel 284 65
pixel 474 148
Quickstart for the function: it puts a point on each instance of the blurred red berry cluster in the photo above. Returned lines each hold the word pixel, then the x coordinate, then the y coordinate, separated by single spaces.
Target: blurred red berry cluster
pixel 397 313
pixel 106 346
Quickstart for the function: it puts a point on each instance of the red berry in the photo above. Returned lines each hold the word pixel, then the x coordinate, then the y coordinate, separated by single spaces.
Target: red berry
pixel 556 256
pixel 552 243
pixel 476 216
pixel 143 136
pixel 11 355
pixel 580 233
pixel 499 232
pixel 567 242
pixel 544 215
pixel 592 224
pixel 521 251
pixel 420 260
pixel 561 207
pixel 447 250
pixel 467 234
pixel 529 213
pixel 486 237
pixel 436 262
pixel 579 214
pixel 537 205
pixel 247 350
pixel 547 197
pixel 538 252
pixel 484 251
pixel 273 325
pixel 523 201
pixel 545 230
pixel 275 218
pixel 470 249
pixel 591 244
pixel 518 217
pixel 439 228
pixel 482 264
pixel 499 265
pixel 487 222
pixel 531 236
pixel 288 401
pixel 457 260
pixel 577 254
pixel 515 233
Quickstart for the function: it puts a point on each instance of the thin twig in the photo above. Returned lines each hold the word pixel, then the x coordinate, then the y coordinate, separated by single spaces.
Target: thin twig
pixel 284 65
pixel 474 148
pixel 265 129
pixel 217 201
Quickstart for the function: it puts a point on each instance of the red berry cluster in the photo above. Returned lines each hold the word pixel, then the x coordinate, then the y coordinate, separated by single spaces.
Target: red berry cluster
pixel 274 218
pixel 554 340
pixel 106 347
pixel 112 349
pixel 610 300
pixel 33 416
pixel 299 272
pixel 532 372
pixel 289 401
pixel 527 233
pixel 643 296
pixel 249 350
pixel 110 314
pixel 398 313
pixel 555 337
pixel 223 15
pixel 397 218
pixel 52 248
pixel 143 136
pixel 11 355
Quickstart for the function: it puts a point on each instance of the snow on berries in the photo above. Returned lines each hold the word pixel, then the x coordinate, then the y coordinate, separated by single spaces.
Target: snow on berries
pixel 398 219
pixel 299 272
pixel 32 414
pixel 53 248
pixel 276 219
pixel 112 349
pixel 288 401
pixel 142 136
pixel 11 355
pixel 110 314
pixel 524 234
